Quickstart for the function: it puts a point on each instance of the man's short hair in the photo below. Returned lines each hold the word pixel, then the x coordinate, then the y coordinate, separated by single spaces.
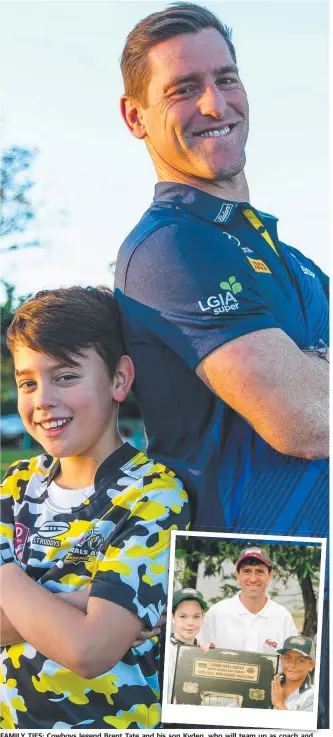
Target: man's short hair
pixel 67 321
pixel 252 562
pixel 177 19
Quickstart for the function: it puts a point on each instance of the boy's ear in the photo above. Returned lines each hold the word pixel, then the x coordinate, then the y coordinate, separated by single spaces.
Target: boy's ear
pixel 123 379
pixel 131 112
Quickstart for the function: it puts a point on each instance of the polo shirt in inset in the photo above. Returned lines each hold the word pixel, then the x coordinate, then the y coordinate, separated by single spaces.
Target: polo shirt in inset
pixel 230 624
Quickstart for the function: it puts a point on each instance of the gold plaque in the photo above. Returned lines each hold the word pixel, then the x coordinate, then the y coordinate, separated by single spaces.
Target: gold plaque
pixel 258 694
pixel 215 698
pixel 227 670
pixel 190 687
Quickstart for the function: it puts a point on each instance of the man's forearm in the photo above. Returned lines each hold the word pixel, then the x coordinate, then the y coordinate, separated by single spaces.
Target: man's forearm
pixel 276 387
pixel 8 634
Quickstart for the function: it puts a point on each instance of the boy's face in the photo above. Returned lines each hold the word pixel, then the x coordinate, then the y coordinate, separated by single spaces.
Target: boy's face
pixel 187 620
pixel 69 410
pixel 296 666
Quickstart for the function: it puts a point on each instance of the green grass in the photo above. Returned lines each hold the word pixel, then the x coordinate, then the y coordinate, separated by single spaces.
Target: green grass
pixel 9 455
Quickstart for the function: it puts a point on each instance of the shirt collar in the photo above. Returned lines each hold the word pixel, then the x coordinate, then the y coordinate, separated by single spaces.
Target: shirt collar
pixel 306 684
pixel 175 640
pixel 117 458
pixel 200 203
pixel 264 612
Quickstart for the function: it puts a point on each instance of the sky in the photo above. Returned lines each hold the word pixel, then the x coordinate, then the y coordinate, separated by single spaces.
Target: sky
pixel 60 93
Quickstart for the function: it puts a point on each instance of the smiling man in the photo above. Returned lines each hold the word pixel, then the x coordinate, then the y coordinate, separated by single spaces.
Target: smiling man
pixel 227 325
pixel 251 620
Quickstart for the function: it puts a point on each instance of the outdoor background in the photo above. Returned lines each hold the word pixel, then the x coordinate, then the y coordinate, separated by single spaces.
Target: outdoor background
pixel 208 564
pixel 73 182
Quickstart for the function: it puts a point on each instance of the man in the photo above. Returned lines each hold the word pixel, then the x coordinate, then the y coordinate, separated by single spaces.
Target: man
pixel 227 326
pixel 217 312
pixel 296 692
pixel 251 620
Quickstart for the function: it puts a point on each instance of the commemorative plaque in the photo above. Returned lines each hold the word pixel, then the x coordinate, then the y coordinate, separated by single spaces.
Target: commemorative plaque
pixel 224 678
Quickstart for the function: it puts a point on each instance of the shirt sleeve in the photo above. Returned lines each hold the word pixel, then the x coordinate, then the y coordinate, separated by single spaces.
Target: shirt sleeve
pixel 132 571
pixel 309 264
pixel 191 287
pixel 290 629
pixel 8 491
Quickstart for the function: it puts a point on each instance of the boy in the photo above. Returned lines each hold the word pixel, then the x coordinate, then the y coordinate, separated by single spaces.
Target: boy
pixel 86 528
pixel 296 693
pixel 188 608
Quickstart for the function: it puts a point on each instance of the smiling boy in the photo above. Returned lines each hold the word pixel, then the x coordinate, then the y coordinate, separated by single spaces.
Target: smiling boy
pixel 296 693
pixel 188 610
pixel 85 528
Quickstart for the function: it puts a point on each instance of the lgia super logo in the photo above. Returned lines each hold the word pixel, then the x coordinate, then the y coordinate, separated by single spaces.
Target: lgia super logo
pixel 225 300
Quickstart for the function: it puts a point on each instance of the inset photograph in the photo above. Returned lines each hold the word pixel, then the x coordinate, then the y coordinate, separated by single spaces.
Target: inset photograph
pixel 243 631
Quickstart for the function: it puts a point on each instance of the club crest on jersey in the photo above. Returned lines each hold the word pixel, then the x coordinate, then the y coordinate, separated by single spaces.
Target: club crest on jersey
pixel 87 546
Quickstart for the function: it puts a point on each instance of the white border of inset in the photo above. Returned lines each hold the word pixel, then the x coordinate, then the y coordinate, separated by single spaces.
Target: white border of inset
pixel 226 716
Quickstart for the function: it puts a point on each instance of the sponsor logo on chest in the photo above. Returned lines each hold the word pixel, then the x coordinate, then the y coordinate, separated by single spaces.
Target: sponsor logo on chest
pixel 271 643
pixel 259 266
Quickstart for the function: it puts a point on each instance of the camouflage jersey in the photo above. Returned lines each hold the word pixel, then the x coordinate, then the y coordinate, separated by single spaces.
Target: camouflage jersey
pixel 117 540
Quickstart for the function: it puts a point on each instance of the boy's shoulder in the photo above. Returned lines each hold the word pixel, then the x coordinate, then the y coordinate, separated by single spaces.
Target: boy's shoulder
pixel 21 472
pixel 140 466
pixel 149 477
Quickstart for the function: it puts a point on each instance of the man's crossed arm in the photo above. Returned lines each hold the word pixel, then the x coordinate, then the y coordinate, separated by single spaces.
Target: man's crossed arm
pixel 281 391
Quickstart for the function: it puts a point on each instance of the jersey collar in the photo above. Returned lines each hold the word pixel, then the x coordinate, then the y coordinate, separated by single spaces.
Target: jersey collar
pixel 200 203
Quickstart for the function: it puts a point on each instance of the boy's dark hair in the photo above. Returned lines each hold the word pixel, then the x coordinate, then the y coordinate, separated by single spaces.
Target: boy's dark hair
pixel 67 321
pixel 160 26
pixel 252 562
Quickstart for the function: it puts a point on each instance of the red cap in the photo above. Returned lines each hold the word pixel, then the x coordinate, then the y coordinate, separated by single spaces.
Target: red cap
pixel 258 553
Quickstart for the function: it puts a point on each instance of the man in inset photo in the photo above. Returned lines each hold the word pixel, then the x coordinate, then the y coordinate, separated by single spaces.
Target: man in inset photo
pixel 250 620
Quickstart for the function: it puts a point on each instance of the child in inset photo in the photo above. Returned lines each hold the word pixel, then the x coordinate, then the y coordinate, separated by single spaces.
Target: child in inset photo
pixel 188 609
pixel 295 692
pixel 85 534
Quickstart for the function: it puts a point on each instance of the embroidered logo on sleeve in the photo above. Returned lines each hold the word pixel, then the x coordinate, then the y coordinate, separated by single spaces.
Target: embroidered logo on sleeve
pixel 20 539
pixel 259 265
pixel 225 301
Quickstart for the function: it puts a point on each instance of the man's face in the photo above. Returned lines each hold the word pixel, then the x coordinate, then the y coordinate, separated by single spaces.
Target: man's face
pixel 253 579
pixel 196 119
pixel 296 666
pixel 187 620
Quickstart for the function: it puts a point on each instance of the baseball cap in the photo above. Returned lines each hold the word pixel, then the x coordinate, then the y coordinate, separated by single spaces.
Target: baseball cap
pixel 303 645
pixel 191 594
pixel 258 553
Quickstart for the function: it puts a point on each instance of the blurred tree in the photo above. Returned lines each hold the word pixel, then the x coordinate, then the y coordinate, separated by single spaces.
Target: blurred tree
pixel 16 207
pixel 17 212
pixel 300 561
pixel 8 386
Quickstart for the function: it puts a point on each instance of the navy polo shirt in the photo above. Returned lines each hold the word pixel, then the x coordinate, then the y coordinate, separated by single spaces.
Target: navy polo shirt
pixel 195 273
